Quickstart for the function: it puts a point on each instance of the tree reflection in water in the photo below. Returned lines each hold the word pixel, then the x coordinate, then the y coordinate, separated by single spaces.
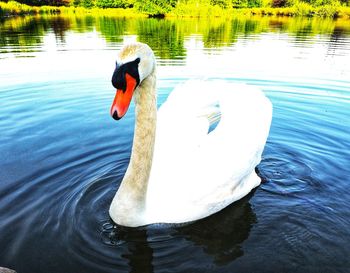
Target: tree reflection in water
pixel 166 36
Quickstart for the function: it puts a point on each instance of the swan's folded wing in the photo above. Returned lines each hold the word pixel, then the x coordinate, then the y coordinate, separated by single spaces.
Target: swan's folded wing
pixel 192 166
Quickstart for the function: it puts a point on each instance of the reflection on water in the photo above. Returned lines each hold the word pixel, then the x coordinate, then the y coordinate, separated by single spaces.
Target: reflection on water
pixel 62 157
pixel 234 224
pixel 167 37
pixel 148 247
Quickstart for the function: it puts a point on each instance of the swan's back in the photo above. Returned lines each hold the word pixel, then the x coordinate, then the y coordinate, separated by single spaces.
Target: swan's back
pixel 196 173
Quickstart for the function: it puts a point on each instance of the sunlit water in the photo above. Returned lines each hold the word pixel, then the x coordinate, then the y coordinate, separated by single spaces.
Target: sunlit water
pixel 62 156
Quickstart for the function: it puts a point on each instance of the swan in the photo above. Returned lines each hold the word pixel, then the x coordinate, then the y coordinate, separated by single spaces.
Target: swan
pixel 180 170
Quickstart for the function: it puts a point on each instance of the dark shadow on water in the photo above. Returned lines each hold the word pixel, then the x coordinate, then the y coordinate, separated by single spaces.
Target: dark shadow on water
pixel 133 243
pixel 140 254
pixel 220 236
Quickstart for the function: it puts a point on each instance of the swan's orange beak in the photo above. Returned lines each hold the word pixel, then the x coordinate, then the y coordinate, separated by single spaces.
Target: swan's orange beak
pixel 123 98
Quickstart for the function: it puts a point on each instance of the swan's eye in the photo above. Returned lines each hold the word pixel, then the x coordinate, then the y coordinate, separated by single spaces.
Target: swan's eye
pixel 133 69
pixel 118 78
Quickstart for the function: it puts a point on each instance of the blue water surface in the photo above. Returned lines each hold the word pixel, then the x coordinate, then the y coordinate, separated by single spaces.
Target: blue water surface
pixel 62 156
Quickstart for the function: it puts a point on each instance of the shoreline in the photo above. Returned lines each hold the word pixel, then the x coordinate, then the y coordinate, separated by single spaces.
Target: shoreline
pixel 185 11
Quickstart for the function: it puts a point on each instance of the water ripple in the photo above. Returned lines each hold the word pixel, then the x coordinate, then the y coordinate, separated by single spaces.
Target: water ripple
pixel 63 157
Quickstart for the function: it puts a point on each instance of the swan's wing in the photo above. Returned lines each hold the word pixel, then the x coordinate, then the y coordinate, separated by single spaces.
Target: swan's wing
pixel 193 164
pixel 238 141
pixel 184 121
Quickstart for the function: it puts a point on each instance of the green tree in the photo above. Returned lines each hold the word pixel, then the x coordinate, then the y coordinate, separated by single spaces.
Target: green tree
pixel 44 2
pixel 155 7
pixel 221 3
pixel 114 3
pixel 317 3
pixel 254 3
pixel 240 3
pixel 87 3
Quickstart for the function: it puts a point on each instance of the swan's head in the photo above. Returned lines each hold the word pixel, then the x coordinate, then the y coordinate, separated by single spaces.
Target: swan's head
pixel 135 62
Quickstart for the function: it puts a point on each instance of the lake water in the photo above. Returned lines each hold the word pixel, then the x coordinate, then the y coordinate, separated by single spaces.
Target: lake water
pixel 62 156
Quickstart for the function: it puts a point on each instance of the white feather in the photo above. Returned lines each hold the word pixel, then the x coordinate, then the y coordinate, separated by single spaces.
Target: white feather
pixel 179 172
pixel 195 173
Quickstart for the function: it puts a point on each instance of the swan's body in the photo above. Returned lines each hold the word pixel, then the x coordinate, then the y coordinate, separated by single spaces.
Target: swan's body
pixel 178 172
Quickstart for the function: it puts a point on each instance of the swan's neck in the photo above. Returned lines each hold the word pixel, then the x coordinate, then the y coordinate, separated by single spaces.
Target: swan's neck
pixel 128 205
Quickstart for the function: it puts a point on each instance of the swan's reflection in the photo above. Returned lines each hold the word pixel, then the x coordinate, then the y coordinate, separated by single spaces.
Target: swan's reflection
pixel 222 234
pixel 156 246
pixel 140 254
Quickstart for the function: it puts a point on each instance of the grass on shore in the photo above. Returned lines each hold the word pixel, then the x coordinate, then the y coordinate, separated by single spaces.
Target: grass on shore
pixel 303 9
pixel 299 9
pixel 184 10
pixel 14 8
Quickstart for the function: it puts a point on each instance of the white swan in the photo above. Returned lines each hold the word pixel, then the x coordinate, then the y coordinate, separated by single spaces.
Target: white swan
pixel 178 172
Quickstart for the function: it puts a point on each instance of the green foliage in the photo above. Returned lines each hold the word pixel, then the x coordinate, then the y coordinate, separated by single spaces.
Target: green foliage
pixel 240 3
pixel 12 7
pixel 266 3
pixel 86 3
pixel 183 8
pixel 221 3
pixel 254 3
pixel 106 3
pixel 76 2
pixel 55 3
pixel 318 3
pixel 155 7
pixel 15 8
pixel 303 9
pixel 114 4
pixel 284 3
pixel 327 11
pixel 247 3
pixel 291 3
pixel 199 8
